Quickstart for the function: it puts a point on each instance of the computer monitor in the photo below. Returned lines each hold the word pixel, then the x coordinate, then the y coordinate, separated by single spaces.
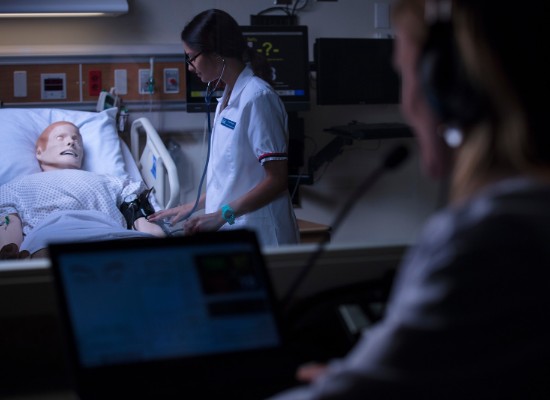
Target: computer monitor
pixel 355 71
pixel 286 49
pixel 195 93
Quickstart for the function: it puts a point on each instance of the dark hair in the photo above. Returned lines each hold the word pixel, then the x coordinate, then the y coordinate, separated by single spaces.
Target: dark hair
pixel 215 31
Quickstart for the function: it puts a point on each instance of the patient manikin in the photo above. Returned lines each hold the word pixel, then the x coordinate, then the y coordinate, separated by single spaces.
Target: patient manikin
pixel 39 200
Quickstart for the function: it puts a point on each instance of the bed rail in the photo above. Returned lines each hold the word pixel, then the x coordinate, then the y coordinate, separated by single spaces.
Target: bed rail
pixel 154 162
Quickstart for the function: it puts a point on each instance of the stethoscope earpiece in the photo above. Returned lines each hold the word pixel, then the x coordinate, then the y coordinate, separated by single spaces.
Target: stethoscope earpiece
pixel 210 92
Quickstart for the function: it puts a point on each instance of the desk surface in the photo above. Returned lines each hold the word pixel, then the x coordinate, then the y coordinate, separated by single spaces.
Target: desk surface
pixel 313 232
pixel 308 226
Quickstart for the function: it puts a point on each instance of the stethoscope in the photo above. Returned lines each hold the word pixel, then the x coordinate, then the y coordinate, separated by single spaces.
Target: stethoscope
pixel 207 100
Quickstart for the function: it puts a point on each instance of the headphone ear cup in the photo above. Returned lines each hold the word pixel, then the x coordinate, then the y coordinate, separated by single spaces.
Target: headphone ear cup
pixel 444 80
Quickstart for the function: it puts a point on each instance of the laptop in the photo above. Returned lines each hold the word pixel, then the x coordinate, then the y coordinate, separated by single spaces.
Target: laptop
pixel 176 317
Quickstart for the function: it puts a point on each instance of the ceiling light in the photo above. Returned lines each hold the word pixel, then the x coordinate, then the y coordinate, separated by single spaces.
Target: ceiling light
pixel 62 8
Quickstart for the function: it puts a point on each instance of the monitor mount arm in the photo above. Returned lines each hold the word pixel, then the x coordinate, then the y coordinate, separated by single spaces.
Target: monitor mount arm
pixel 328 153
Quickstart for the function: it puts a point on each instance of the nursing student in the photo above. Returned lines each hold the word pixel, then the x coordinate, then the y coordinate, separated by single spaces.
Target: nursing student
pixel 246 180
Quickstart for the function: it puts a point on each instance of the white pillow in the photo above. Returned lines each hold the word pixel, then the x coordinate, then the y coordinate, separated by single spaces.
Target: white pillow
pixel 20 128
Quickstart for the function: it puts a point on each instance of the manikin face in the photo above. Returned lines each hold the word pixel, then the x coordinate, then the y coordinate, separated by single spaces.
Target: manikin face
pixel 64 149
pixel 203 65
pixel 414 105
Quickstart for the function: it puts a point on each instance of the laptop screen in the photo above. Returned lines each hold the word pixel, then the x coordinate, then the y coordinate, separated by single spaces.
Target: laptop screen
pixel 137 300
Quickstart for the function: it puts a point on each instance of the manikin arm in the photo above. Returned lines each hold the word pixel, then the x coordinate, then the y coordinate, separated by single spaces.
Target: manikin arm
pixel 11 230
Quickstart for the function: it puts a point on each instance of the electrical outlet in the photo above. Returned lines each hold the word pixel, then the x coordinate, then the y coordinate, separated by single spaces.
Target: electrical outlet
pixel 121 81
pixel 94 83
pixel 20 84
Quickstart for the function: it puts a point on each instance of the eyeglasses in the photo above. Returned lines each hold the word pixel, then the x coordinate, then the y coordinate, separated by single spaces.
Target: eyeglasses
pixel 190 60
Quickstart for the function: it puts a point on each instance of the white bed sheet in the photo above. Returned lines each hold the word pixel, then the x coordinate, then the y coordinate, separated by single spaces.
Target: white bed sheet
pixel 76 226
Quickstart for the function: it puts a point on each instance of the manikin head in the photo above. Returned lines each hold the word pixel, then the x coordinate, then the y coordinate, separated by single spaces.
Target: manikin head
pixel 60 147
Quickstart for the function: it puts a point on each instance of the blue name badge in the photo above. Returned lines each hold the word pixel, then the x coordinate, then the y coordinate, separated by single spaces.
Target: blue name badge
pixel 228 123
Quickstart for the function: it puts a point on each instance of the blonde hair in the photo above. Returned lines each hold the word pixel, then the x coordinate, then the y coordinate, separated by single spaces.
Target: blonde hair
pixel 412 11
pixel 498 56
pixel 504 142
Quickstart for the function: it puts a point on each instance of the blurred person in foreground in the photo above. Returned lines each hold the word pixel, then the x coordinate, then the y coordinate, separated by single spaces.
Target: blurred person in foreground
pixel 467 315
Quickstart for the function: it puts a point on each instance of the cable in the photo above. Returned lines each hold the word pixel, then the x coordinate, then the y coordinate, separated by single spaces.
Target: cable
pixel 207 100
pixel 270 9
pixel 287 9
pixel 296 8
pixel 209 135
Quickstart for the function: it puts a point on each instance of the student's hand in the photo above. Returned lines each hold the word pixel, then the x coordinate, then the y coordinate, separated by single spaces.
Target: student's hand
pixel 310 372
pixel 174 215
pixel 204 223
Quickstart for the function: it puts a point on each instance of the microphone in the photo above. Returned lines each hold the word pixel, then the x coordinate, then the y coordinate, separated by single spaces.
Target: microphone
pixel 391 161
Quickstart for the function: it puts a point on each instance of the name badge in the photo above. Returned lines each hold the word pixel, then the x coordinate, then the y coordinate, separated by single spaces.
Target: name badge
pixel 228 123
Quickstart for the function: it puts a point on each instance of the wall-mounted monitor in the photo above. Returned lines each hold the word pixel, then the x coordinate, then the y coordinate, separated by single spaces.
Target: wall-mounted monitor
pixel 355 71
pixel 286 49
pixel 195 94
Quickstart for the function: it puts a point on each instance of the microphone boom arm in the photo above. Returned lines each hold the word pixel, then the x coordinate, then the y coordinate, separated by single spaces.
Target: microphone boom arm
pixel 393 159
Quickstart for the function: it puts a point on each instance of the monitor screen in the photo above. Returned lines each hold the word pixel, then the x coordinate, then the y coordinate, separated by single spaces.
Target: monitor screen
pixel 355 71
pixel 195 93
pixel 286 49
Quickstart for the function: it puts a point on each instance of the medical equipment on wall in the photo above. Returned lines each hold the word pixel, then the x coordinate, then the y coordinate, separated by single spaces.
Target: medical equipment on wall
pixel 107 100
pixel 147 79
pixel 111 99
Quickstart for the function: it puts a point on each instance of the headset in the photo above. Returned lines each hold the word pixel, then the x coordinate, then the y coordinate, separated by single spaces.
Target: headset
pixel 453 97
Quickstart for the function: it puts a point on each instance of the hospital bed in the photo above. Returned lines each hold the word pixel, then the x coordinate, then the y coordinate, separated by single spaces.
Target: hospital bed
pixel 105 152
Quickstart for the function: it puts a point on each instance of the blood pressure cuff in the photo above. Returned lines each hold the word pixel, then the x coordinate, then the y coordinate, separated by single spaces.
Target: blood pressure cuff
pixel 136 206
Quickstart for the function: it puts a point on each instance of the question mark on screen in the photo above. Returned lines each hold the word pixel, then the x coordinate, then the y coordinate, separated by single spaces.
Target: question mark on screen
pixel 267 46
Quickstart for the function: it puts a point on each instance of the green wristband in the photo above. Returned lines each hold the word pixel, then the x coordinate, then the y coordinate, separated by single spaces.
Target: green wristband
pixel 228 214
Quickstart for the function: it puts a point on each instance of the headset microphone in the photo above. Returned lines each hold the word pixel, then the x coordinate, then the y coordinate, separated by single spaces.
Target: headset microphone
pixel 395 157
pixel 392 160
